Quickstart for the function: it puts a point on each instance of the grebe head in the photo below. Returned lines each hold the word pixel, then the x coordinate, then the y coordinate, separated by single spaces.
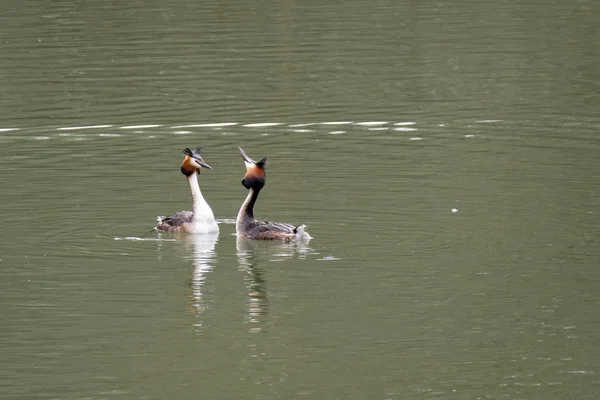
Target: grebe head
pixel 192 162
pixel 255 172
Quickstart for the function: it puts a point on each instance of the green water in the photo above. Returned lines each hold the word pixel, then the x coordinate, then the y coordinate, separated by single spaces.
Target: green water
pixel 443 155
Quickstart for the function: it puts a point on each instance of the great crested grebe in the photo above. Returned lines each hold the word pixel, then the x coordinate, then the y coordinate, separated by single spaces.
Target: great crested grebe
pixel 249 227
pixel 201 218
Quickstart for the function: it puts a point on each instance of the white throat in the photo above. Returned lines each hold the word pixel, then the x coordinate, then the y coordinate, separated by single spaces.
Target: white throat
pixel 242 217
pixel 203 215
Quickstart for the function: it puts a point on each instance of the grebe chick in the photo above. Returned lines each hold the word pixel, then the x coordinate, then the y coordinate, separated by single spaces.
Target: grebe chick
pixel 249 227
pixel 201 218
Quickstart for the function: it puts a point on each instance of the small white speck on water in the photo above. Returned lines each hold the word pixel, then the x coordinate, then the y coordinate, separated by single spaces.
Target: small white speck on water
pixel 454 210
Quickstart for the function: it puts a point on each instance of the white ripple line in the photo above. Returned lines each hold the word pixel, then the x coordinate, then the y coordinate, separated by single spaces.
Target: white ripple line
pixel 301 125
pixel 134 238
pixel 75 128
pixel 405 123
pixel 262 124
pixel 371 123
pixel 207 125
pixel 140 126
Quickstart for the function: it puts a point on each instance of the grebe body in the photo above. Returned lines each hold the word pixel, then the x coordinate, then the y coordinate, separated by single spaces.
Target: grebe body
pixel 246 225
pixel 201 219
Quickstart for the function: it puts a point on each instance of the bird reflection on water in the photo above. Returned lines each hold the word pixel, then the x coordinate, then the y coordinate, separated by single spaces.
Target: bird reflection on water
pixel 204 257
pixel 252 256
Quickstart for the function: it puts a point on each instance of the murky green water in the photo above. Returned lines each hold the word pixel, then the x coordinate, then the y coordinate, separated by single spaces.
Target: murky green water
pixel 443 155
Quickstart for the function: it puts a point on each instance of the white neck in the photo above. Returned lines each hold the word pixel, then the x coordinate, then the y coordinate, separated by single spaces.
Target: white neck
pixel 200 208
pixel 242 217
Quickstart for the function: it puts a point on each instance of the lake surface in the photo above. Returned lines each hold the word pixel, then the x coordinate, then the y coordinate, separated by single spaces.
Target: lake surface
pixel 445 157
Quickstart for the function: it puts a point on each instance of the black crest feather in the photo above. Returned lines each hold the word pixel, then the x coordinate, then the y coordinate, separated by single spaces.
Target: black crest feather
pixel 262 163
pixel 193 154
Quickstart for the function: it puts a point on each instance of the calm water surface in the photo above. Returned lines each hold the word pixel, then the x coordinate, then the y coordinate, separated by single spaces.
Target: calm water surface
pixel 443 155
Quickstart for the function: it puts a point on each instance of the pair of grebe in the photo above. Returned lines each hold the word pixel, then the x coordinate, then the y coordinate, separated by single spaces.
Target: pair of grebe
pixel 201 218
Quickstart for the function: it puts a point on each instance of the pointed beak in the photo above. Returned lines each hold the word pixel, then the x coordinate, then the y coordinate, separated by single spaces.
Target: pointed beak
pixel 245 156
pixel 203 164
